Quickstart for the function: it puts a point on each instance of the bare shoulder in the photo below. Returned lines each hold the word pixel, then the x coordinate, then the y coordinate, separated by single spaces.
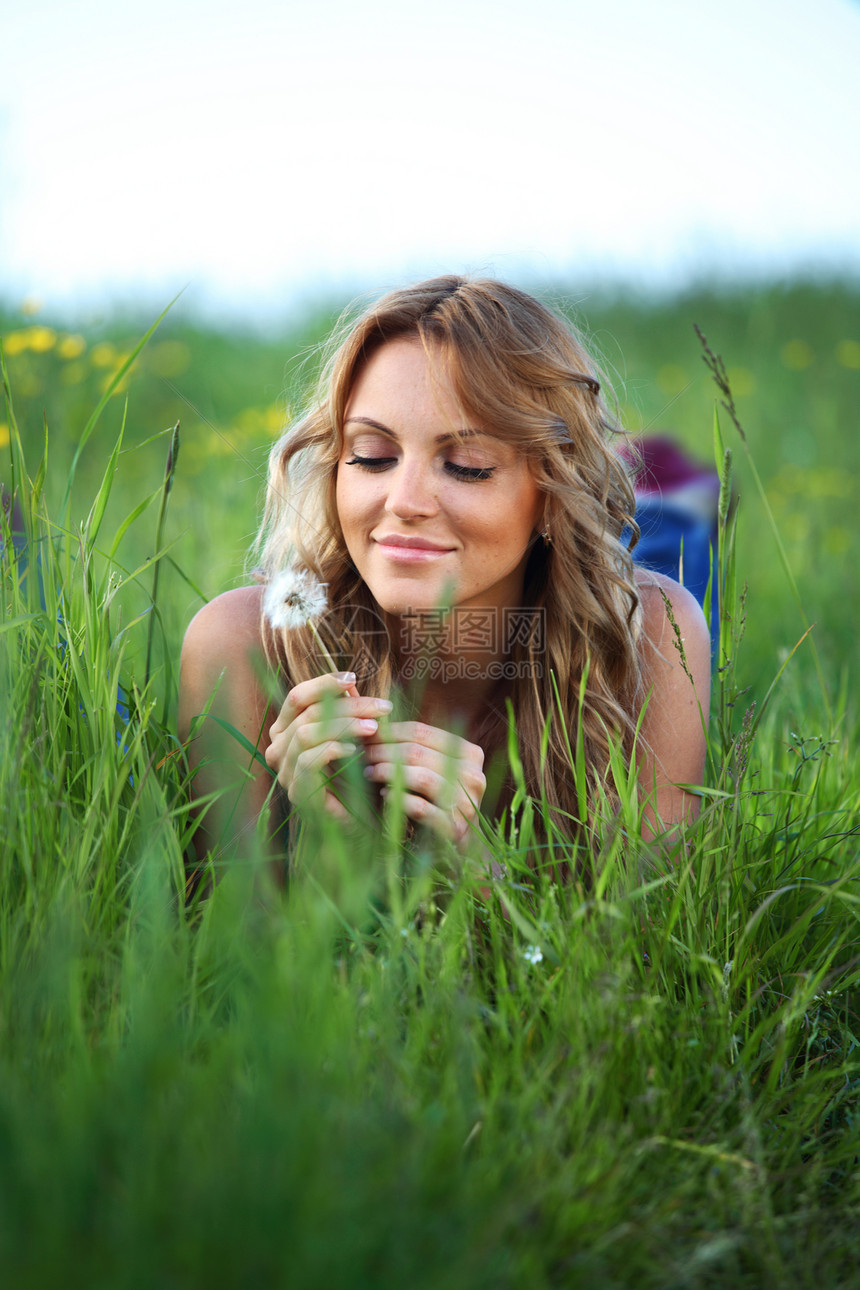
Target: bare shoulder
pixel 228 628
pixel 675 652
pixel 226 688
pixel 667 606
pixel 223 650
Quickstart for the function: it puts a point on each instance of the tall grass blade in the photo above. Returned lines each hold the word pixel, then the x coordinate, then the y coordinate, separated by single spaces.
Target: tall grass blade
pixel 105 399
pixel 99 506
pixel 169 472
pixel 716 367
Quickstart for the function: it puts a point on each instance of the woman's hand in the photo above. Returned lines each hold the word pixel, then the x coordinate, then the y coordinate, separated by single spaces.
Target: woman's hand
pixel 320 722
pixel 442 774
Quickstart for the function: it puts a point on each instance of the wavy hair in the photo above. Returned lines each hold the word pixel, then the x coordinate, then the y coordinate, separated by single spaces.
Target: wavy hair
pixel 518 368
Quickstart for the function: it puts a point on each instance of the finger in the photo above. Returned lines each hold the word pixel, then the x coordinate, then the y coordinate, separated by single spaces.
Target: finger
pixel 381 758
pixel 311 734
pixel 312 768
pixel 332 806
pixel 420 780
pixel 307 692
pixel 274 753
pixel 434 739
pixel 317 760
pixel 431 816
pixel 358 706
pixel 468 772
pixel 381 750
pixel 456 799
pixel 333 706
pixel 304 733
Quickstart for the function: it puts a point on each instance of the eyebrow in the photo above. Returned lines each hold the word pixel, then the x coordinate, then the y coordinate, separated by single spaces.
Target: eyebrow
pixel 466 433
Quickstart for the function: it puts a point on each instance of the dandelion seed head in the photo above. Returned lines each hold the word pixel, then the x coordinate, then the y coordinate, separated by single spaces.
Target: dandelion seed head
pixel 294 598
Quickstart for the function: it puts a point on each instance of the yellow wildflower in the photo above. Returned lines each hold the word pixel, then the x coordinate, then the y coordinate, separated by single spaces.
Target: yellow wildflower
pixel 16 342
pixel 274 419
pixel 848 354
pixel 71 346
pixel 119 359
pixel 103 354
pixel 42 339
pixel 797 355
pixel 837 540
pixel 672 379
pixel 797 527
pixel 742 381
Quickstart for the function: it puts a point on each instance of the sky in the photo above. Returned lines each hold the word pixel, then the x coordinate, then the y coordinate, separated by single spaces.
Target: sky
pixel 263 154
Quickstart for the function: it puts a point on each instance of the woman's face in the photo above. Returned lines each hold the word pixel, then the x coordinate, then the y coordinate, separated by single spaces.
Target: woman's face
pixel 420 510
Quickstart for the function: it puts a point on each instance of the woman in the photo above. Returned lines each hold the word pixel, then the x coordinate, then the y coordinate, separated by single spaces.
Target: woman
pixel 457 454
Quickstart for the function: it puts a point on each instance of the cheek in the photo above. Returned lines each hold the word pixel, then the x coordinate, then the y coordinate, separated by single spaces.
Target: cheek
pixel 339 495
pixel 508 522
pixel 345 498
pixel 356 503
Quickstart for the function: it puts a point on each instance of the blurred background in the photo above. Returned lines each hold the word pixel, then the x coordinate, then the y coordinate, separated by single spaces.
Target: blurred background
pixel 265 153
pixel 643 166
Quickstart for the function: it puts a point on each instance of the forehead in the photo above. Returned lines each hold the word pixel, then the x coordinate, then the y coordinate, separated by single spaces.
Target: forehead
pixel 406 389
pixel 403 375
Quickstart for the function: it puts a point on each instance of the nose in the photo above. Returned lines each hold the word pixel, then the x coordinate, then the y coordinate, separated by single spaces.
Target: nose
pixel 411 491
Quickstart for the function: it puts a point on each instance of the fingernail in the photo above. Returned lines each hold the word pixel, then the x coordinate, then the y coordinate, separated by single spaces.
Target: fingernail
pixel 383 705
pixel 368 727
pixel 369 772
pixel 346 678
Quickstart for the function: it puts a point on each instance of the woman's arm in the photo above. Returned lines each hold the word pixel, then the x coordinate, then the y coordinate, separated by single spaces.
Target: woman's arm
pixel 222 654
pixel 675 723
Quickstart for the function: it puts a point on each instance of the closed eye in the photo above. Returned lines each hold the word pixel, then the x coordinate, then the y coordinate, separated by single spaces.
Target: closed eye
pixel 370 463
pixel 467 474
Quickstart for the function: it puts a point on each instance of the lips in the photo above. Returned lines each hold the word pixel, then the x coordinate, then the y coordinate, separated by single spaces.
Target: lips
pixel 411 543
pixel 398 549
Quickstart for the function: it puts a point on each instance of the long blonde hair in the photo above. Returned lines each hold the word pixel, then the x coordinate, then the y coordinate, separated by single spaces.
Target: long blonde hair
pixel 518 368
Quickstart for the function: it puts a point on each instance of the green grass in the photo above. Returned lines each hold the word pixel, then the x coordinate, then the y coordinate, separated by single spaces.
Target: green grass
pixel 382 1079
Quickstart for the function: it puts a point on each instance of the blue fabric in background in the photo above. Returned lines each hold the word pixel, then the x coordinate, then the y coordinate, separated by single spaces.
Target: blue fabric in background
pixel 677 522
pixel 669 531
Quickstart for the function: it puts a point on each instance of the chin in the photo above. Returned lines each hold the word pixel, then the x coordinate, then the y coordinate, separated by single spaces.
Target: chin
pixel 419 596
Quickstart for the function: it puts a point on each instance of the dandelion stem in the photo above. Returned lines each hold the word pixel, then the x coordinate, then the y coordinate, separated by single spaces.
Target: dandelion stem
pixel 329 661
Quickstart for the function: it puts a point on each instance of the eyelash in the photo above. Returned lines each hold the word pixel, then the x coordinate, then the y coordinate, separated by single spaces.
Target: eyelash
pixel 467 474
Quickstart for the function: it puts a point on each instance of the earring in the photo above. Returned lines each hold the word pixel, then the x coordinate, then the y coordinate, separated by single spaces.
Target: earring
pixel 547 537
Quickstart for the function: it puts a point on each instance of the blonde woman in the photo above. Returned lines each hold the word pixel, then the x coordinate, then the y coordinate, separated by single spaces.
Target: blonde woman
pixel 455 487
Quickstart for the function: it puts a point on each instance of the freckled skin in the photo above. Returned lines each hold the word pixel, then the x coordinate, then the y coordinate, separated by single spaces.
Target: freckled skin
pixel 401 416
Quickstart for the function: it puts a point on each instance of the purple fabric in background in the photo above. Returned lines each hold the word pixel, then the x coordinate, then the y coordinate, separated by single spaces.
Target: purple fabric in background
pixel 676 510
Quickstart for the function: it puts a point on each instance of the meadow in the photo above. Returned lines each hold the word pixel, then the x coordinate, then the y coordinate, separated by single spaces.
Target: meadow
pixel 649 1076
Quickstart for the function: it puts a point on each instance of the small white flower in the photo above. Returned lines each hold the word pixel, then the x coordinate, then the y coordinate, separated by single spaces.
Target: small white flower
pixel 533 954
pixel 294 598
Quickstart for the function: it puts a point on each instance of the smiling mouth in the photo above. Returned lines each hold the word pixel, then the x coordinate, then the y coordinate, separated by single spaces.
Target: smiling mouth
pixel 410 550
